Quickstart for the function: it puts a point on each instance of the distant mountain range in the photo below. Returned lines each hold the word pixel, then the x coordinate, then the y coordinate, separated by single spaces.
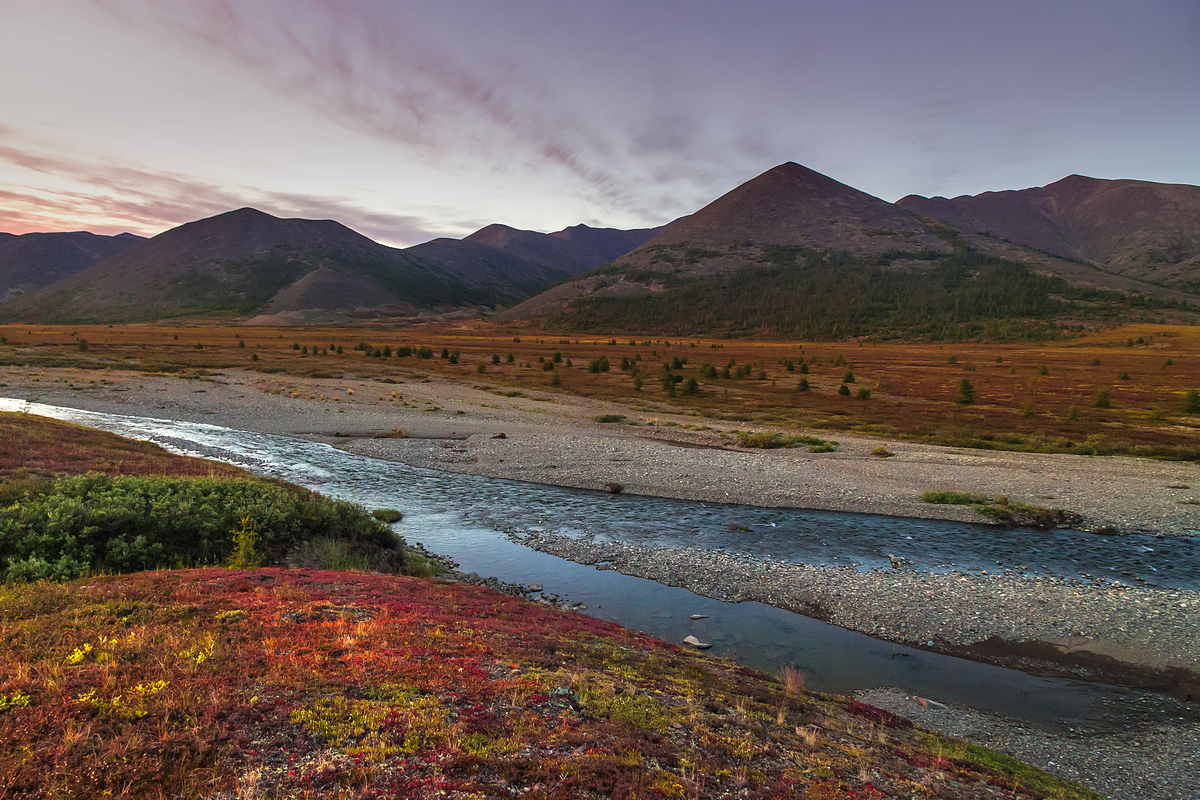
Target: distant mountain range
pixel 33 260
pixel 251 264
pixel 788 231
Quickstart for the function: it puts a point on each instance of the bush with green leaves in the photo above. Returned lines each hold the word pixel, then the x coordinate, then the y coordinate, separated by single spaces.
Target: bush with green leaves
pixel 1191 402
pixel 74 526
pixel 966 393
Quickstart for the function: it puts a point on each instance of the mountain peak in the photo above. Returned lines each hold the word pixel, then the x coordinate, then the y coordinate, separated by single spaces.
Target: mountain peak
pixel 791 204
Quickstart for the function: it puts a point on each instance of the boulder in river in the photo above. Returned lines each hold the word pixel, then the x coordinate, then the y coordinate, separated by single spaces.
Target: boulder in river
pixel 613 488
pixel 696 643
pixel 699 616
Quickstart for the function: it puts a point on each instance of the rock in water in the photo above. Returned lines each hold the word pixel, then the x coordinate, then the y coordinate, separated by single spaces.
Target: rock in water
pixel 699 616
pixel 535 587
pixel 696 643
pixel 613 488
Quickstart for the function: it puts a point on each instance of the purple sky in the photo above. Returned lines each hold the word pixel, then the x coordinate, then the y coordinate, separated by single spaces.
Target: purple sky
pixel 409 120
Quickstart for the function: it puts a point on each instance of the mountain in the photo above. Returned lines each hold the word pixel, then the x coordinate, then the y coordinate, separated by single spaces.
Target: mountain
pixel 575 250
pixel 795 253
pixel 239 262
pixel 1136 229
pixel 33 260
pixel 289 271
pixel 794 205
pixel 787 206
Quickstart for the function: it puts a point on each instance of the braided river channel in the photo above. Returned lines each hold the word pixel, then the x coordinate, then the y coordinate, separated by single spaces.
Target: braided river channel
pixel 478 522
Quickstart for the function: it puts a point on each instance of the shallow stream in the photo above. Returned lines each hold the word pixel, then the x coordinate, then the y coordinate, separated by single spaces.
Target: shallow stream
pixel 467 518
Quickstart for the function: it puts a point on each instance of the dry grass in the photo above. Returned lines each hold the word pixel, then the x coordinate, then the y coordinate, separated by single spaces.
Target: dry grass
pixel 1030 396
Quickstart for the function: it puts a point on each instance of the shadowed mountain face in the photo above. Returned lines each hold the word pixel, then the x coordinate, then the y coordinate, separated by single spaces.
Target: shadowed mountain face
pixel 788 206
pixel 247 261
pixel 795 253
pixel 33 260
pixel 573 250
pixel 1138 229
pixel 793 205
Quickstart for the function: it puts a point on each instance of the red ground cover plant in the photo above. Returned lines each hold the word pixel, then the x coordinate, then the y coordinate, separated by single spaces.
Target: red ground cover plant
pixel 276 683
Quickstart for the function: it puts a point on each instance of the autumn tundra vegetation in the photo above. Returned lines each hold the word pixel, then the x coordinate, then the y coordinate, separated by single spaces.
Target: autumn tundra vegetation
pixel 1131 390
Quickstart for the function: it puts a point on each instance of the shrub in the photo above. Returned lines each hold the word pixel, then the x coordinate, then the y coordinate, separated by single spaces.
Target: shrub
pixel 95 523
pixel 637 383
pixel 863 393
pixel 339 349
pixel 424 352
pixel 555 379
pixel 1122 375
pixel 789 365
pixel 597 365
pixel 557 357
pixel 848 377
pixel 254 356
pixel 1095 362
pixel 803 385
pixel 803 368
pixel 454 357
pixel 952 360
pixel 606 418
pixel 966 393
pixel 445 352
pixel 691 386
pixel 1103 399
pixel 1191 402
pixel 1072 413
pixel 481 368
pixel 955 498
pixel 1043 369
pixel 548 366
pixel 1028 409
pixel 387 515
pixel 882 452
pixel 241 345
pixel 510 359
pixel 844 390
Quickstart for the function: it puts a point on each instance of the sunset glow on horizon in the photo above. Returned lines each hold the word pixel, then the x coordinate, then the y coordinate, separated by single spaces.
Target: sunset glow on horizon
pixel 417 120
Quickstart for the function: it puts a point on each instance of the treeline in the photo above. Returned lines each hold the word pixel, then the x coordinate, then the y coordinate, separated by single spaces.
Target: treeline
pixel 809 294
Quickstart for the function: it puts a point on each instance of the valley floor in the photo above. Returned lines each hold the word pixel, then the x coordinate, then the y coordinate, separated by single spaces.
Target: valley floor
pixel 1130 634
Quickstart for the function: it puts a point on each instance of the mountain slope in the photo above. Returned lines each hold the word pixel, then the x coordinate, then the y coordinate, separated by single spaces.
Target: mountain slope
pixel 239 262
pixel 794 205
pixel 573 250
pixel 794 253
pixel 1137 229
pixel 33 260
pixel 787 206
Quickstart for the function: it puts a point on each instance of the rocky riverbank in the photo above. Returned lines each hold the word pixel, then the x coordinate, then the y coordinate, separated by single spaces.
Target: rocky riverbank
pixel 1132 635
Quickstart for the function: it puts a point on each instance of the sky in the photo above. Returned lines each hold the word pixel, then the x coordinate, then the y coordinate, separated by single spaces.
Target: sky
pixel 408 120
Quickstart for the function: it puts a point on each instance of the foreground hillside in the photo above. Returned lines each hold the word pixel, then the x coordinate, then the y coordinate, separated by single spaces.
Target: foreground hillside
pixel 270 683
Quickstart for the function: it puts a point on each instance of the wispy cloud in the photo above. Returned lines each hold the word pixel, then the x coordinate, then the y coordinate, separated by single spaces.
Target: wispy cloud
pixel 114 197
pixel 388 72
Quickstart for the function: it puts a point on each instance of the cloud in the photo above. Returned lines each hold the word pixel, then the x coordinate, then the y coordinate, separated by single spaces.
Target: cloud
pixel 625 129
pixel 115 197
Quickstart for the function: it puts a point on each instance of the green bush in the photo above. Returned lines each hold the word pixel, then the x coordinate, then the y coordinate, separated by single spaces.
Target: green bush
pixel 388 515
pixel 1103 399
pixel 966 393
pixel 1191 402
pixel 844 390
pixel 609 418
pixel 78 525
